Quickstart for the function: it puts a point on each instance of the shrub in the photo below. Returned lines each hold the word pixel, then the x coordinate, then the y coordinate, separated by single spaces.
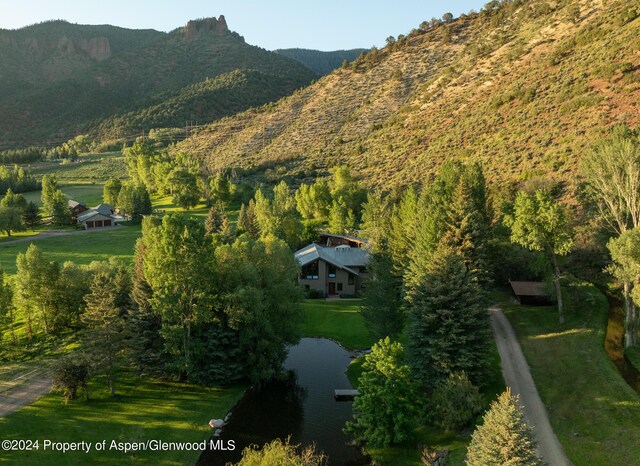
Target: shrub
pixel 279 453
pixel 69 376
pixel 455 403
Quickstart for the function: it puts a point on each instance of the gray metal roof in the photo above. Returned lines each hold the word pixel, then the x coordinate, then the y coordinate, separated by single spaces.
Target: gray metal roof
pixel 104 209
pixel 343 257
pixel 90 214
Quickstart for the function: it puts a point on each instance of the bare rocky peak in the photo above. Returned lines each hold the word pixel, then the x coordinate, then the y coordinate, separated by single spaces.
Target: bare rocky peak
pixel 198 26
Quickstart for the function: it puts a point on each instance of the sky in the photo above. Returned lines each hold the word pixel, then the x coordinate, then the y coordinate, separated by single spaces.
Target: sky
pixel 322 25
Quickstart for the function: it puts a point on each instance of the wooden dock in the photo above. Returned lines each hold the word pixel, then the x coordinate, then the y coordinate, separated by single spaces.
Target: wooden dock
pixel 345 395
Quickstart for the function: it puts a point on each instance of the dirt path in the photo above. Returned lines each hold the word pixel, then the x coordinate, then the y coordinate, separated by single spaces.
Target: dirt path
pixel 518 377
pixel 27 389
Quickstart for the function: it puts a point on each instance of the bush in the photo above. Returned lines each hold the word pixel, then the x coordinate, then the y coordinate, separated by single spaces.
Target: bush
pixel 314 294
pixel 69 376
pixel 279 453
pixel 455 403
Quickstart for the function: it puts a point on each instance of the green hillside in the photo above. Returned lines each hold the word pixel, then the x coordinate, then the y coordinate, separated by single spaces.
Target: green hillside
pixel 321 62
pixel 523 87
pixel 61 79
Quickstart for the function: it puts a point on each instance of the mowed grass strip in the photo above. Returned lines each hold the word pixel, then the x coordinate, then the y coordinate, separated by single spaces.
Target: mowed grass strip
pixel 339 320
pixel 81 248
pixel 142 410
pixel 592 409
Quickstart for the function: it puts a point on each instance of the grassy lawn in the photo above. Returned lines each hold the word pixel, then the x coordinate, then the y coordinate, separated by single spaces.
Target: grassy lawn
pixel 593 411
pixel 81 248
pixel 339 320
pixel 143 410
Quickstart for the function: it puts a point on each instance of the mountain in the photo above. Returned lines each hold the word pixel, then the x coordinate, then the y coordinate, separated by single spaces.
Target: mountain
pixel 321 62
pixel 522 87
pixel 60 79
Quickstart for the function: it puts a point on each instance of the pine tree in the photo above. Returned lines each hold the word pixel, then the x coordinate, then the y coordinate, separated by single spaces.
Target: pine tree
pixel 247 220
pixel 382 303
pixel 60 213
pixel 213 223
pixel 504 437
pixel 449 324
pixel 104 335
pixel 31 215
pixel 469 226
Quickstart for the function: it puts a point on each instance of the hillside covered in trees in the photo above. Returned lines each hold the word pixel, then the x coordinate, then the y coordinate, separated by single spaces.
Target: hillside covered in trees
pixel 319 61
pixel 59 79
pixel 522 87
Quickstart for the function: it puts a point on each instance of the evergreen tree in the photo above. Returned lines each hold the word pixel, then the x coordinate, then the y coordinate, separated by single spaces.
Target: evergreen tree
pixel 31 215
pixel 104 335
pixel 448 322
pixel 220 188
pixel 111 190
pixel 375 224
pixel 386 411
pixel 469 224
pixel 247 220
pixel 503 437
pixel 213 223
pixel 144 324
pixel 382 303
pixel 403 227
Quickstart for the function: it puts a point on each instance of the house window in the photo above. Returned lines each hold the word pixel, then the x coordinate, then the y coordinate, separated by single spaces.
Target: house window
pixel 351 279
pixel 339 286
pixel 310 271
pixel 331 270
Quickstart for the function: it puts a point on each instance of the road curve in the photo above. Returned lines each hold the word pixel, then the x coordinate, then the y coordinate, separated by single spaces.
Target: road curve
pixel 518 377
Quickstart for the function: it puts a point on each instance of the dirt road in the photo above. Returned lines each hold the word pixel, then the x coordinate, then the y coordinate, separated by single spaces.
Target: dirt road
pixel 25 391
pixel 518 377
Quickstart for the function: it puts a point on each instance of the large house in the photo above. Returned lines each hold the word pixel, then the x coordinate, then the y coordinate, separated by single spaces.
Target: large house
pixel 335 265
pixel 99 217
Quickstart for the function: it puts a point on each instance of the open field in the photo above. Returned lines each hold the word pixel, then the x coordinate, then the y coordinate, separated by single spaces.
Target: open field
pixel 143 410
pixel 593 411
pixel 81 248
pixel 89 168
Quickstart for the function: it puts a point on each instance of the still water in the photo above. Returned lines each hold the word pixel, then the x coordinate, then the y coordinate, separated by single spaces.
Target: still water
pixel 300 405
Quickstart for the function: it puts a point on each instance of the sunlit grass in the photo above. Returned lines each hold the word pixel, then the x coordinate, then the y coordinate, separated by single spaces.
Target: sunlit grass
pixel 592 409
pixel 143 409
pixel 338 320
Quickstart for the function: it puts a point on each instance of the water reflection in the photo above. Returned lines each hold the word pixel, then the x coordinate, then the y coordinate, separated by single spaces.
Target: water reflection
pixel 300 404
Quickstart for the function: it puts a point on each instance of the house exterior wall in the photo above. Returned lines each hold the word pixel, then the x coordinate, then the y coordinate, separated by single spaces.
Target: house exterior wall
pixel 323 282
pixel 97 221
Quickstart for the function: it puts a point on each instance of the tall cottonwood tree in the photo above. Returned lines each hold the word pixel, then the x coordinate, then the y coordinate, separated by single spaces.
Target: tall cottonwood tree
pixel 178 270
pixel 540 223
pixel 612 170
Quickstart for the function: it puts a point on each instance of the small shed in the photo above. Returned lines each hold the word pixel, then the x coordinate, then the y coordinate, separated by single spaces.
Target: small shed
pixel 531 293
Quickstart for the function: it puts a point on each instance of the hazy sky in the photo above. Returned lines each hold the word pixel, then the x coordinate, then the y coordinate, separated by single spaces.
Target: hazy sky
pixel 323 25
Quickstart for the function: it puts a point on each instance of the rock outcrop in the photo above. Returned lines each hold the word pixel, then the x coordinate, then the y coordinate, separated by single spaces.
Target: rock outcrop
pixel 218 26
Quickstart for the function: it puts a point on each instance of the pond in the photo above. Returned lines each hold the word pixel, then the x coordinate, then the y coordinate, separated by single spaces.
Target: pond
pixel 300 404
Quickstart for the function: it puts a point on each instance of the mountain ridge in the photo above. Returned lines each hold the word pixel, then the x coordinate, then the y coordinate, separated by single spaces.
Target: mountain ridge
pixel 522 87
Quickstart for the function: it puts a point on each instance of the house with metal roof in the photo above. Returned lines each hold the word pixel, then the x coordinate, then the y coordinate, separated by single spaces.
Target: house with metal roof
pixel 332 267
pixel 100 216
pixel 76 208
